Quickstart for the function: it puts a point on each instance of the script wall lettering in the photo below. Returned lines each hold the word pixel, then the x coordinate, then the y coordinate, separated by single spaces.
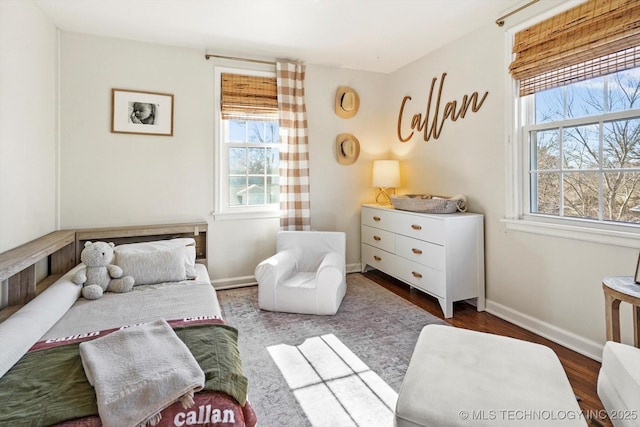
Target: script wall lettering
pixel 431 125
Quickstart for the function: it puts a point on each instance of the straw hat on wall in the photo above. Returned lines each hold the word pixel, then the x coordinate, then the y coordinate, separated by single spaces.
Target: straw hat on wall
pixel 347 148
pixel 347 102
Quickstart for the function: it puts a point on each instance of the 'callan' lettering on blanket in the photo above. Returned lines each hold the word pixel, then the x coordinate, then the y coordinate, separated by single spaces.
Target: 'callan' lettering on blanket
pixel 197 318
pixel 86 336
pixel 72 337
pixel 205 414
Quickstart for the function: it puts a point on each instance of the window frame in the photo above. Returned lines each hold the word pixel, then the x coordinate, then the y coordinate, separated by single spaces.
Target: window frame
pixel 222 209
pixel 517 213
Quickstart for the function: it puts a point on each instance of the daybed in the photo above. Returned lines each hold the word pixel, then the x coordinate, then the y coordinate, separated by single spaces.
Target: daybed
pixel 47 344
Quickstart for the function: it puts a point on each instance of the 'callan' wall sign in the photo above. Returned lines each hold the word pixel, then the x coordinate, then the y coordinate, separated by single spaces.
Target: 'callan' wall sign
pixel 432 126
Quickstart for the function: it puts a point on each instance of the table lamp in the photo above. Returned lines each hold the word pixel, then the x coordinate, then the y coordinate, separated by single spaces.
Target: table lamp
pixel 386 175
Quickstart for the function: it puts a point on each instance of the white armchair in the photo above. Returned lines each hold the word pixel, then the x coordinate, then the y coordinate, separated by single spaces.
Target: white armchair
pixel 619 383
pixel 307 275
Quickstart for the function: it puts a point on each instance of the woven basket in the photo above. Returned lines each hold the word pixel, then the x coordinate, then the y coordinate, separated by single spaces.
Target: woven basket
pixel 426 203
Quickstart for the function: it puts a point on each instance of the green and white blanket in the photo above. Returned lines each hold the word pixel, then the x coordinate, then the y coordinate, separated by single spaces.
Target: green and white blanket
pixel 49 386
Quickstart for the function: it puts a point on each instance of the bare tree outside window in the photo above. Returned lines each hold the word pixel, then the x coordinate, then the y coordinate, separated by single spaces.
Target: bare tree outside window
pixel 585 150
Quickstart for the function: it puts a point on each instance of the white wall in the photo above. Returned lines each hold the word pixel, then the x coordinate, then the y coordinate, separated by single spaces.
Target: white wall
pixel 108 178
pixel 337 191
pixel 548 284
pixel 117 179
pixel 28 124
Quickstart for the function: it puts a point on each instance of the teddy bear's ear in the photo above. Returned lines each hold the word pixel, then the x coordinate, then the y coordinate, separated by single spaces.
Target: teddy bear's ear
pixel 87 243
pixel 111 244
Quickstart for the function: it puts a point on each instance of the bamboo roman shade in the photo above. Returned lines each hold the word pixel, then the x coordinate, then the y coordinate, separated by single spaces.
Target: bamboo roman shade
pixel 248 97
pixel 593 39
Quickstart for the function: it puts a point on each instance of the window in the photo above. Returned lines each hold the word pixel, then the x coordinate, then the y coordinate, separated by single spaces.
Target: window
pixel 247 142
pixel 584 149
pixel 251 149
pixel 576 156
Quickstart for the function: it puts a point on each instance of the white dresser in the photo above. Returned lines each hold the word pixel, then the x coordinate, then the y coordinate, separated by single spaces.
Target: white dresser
pixel 442 255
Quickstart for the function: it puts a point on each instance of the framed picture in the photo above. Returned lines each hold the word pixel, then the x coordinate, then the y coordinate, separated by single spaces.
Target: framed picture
pixel 637 276
pixel 145 113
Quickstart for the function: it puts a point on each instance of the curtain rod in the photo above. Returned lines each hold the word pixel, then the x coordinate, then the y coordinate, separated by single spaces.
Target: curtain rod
pixel 209 55
pixel 500 21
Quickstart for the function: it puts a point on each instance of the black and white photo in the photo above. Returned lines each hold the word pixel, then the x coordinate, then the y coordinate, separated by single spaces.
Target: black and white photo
pixel 147 113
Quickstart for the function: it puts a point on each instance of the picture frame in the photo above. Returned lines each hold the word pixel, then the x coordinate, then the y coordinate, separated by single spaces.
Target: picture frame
pixel 636 278
pixel 140 112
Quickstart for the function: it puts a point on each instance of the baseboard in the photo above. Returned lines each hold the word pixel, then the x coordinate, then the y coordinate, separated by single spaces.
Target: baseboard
pixel 354 268
pixel 234 282
pixel 565 338
pixel 242 281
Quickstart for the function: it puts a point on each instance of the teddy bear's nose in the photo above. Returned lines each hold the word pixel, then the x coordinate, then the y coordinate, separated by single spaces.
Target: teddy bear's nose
pixel 102 253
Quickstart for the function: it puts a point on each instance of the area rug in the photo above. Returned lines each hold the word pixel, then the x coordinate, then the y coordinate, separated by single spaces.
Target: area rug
pixel 373 326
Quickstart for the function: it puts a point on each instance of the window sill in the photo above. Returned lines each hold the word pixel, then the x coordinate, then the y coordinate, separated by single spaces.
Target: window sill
pixel 245 215
pixel 587 234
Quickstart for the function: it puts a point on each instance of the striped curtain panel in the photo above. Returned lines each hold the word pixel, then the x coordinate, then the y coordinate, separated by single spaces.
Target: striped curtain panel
pixel 294 148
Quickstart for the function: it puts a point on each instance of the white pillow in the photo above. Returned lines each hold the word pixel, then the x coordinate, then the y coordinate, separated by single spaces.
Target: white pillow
pixel 153 266
pixel 190 262
pixel 158 245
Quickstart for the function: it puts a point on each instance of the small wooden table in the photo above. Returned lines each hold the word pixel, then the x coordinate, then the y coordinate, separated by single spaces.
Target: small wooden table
pixel 618 289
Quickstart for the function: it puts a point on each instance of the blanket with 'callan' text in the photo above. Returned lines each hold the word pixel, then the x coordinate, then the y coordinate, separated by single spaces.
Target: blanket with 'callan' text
pixel 48 386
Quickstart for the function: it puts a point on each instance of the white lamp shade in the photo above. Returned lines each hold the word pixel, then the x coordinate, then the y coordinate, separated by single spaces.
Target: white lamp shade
pixel 386 173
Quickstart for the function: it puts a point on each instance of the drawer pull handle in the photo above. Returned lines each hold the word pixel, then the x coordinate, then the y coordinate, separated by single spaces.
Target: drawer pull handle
pixel 376 218
pixel 377 238
pixel 416 251
pixel 417 275
pixel 377 258
pixel 416 227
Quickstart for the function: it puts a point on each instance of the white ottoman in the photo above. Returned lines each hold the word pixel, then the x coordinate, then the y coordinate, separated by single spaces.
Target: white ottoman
pixel 619 384
pixel 459 377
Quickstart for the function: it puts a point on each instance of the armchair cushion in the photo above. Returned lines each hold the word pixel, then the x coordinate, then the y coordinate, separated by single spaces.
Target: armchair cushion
pixel 310 247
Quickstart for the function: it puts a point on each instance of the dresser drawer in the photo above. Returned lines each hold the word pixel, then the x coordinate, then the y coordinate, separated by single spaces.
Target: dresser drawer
pixel 379 259
pixel 419 227
pixel 378 218
pixel 419 251
pixel 421 276
pixel 379 238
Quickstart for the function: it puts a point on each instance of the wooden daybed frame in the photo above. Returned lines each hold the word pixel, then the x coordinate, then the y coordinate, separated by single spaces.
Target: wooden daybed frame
pixel 61 250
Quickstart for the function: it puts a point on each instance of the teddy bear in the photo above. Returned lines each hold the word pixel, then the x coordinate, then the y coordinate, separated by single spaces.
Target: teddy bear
pixel 99 275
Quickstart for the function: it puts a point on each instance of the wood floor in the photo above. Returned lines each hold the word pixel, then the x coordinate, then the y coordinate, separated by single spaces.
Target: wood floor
pixel 582 371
